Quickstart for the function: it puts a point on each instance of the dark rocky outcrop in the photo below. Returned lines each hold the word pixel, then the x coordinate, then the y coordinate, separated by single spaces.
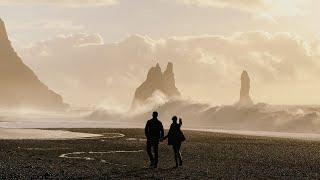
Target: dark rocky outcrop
pixel 156 81
pixel 19 86
pixel 169 82
pixel 245 99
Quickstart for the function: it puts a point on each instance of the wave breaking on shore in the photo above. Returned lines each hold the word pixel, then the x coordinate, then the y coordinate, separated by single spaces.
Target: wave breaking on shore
pixel 259 117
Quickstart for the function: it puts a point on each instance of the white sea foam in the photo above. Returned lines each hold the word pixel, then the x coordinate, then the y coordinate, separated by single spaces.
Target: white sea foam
pixel 302 136
pixel 257 120
pixel 88 155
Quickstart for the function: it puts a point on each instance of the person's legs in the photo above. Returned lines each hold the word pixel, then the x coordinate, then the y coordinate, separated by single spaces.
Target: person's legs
pixel 179 154
pixel 149 146
pixel 156 153
pixel 175 151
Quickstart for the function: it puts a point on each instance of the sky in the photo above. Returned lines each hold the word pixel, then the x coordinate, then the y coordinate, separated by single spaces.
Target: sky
pixel 104 48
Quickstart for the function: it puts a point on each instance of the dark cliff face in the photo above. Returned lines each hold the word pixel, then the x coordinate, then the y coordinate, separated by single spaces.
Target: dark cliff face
pixel 245 99
pixel 156 81
pixel 19 86
pixel 3 33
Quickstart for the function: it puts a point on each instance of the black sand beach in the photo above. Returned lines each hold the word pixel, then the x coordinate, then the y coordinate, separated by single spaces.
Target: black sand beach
pixel 114 156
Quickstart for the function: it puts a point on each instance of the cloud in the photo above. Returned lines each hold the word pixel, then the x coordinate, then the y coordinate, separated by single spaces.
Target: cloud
pixel 47 25
pixel 271 7
pixel 244 4
pixel 86 71
pixel 265 18
pixel 60 2
pixel 61 43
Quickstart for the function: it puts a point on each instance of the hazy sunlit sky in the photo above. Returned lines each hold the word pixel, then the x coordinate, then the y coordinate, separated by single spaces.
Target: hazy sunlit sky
pixel 32 20
pixel 277 41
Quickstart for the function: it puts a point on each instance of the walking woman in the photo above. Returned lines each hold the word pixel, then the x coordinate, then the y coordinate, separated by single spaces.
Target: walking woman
pixel 175 138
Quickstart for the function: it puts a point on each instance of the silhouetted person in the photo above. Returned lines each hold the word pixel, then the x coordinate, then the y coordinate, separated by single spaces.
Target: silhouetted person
pixel 175 138
pixel 154 132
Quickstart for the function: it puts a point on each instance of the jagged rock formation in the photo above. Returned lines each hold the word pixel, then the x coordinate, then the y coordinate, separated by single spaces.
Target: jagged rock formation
pixel 168 82
pixel 245 99
pixel 156 81
pixel 19 86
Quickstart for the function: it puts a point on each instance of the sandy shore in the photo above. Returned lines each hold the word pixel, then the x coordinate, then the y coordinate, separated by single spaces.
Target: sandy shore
pixel 120 154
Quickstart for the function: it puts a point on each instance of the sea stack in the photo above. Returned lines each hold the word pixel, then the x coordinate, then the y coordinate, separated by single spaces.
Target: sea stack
pixel 156 81
pixel 19 86
pixel 169 82
pixel 245 99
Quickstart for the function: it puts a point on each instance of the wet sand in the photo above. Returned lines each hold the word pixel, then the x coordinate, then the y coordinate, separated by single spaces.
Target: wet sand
pixel 24 134
pixel 120 154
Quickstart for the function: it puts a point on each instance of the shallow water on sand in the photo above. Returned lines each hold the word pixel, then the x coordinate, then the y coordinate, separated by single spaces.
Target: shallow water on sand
pixel 26 126
pixel 42 134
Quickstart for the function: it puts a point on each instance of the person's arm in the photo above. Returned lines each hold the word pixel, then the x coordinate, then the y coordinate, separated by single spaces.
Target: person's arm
pixel 169 132
pixel 161 131
pixel 146 131
pixel 165 137
pixel 180 122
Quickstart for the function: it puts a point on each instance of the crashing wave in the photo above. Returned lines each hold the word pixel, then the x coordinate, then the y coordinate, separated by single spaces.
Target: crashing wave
pixel 262 117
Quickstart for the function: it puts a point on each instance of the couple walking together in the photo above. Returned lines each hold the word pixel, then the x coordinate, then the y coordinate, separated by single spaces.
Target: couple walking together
pixel 154 133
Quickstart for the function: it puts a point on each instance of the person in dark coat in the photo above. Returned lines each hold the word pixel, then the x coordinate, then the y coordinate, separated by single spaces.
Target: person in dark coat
pixel 153 132
pixel 175 138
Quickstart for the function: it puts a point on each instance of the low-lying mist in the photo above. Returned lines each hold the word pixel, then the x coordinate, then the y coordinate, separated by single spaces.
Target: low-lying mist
pixel 258 117
pixel 195 115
